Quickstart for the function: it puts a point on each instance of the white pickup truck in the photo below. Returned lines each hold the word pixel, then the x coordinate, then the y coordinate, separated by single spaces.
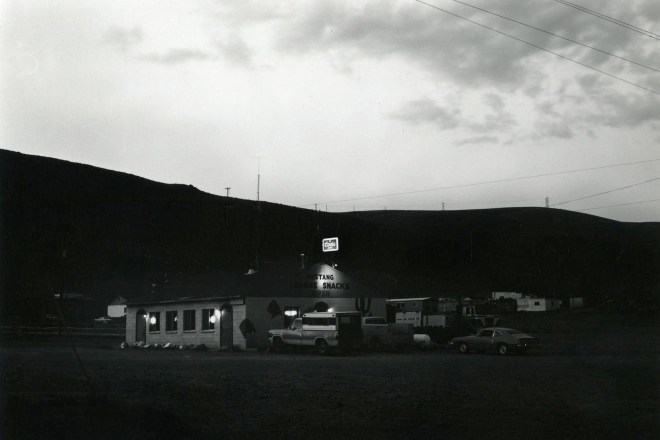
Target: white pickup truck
pixel 378 333
pixel 320 330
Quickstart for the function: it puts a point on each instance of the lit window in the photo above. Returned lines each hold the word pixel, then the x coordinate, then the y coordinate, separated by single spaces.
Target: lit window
pixel 208 319
pixel 188 320
pixel 171 321
pixel 154 321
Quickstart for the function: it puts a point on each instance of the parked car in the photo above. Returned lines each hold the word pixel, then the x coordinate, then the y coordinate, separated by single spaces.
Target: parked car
pixel 498 339
pixel 103 320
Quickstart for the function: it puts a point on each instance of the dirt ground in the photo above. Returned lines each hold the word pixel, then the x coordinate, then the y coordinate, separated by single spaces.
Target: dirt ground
pixel 591 384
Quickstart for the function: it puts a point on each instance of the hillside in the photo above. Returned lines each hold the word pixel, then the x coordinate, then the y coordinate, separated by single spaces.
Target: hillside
pixel 69 227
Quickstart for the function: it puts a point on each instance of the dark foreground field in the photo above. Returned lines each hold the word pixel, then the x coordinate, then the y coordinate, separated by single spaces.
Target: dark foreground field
pixel 586 385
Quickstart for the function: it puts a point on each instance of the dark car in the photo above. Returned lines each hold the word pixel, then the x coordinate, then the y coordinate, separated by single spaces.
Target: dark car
pixel 497 339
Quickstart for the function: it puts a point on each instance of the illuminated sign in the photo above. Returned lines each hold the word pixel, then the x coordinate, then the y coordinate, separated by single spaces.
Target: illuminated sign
pixel 331 244
pixel 325 284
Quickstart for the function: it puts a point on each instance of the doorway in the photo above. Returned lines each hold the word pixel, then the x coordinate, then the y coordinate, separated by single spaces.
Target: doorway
pixel 141 326
pixel 226 327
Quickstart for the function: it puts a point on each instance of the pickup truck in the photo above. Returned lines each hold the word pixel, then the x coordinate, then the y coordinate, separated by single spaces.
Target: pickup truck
pixel 378 333
pixel 322 331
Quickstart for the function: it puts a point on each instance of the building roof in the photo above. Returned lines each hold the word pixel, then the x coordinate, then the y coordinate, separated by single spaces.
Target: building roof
pixel 118 301
pixel 195 288
pixel 314 281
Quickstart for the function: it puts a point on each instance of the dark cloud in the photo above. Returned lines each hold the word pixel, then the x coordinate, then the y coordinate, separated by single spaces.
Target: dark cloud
pixel 466 53
pixel 438 42
pixel 553 129
pixel 427 111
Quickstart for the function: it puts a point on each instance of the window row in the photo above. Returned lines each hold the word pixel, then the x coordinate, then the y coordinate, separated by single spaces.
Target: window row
pixel 209 318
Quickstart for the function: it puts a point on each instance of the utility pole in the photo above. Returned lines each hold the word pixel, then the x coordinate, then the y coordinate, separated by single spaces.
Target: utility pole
pixel 226 233
pixel 258 208
pixel 443 206
pixel 547 202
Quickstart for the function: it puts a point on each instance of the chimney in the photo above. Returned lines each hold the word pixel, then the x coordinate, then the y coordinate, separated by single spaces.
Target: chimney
pixel 302 261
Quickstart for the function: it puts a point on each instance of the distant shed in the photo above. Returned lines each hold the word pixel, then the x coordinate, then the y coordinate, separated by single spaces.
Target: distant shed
pixel 117 308
pixel 576 302
pixel 537 304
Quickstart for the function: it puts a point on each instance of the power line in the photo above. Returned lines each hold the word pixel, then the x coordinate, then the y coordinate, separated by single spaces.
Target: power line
pixel 512 179
pixel 620 204
pixel 607 192
pixel 555 35
pixel 611 20
pixel 541 48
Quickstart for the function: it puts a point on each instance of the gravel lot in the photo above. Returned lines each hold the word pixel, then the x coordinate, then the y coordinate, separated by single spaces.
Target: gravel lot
pixel 591 385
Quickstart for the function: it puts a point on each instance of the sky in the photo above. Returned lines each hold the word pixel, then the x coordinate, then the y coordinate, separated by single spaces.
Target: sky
pixel 343 106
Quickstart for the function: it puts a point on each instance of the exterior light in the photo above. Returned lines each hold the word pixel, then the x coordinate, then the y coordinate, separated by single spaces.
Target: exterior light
pixel 212 319
pixel 331 310
pixel 291 312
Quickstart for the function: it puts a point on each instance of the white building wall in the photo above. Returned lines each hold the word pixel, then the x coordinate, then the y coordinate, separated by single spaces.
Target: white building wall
pixel 537 304
pixel 117 311
pixel 254 310
pixel 576 302
pixel 210 338
pixel 506 295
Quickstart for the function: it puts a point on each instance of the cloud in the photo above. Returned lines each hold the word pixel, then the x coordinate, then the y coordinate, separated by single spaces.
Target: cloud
pixel 178 56
pixel 123 38
pixel 427 111
pixel 551 129
pixel 235 50
pixel 478 140
pixel 438 42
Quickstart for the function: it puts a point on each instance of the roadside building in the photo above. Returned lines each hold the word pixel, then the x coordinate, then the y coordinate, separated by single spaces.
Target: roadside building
pixel 447 305
pixel 421 312
pixel 576 302
pixel 117 308
pixel 230 312
pixel 506 295
pixel 537 304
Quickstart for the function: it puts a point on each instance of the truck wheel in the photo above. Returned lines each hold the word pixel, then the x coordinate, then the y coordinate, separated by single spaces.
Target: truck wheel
pixel 463 348
pixel 278 345
pixel 502 349
pixel 322 347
